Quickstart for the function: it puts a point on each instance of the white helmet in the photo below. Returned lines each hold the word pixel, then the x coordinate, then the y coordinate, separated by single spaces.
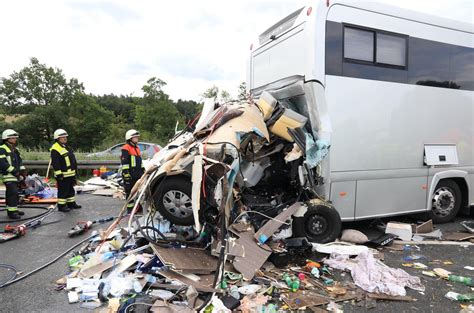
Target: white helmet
pixel 9 133
pixel 58 133
pixel 131 133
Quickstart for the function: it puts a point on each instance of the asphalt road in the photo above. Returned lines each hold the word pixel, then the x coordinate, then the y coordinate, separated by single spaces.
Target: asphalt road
pixel 37 294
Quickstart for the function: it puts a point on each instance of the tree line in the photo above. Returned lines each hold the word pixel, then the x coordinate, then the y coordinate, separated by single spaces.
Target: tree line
pixel 38 99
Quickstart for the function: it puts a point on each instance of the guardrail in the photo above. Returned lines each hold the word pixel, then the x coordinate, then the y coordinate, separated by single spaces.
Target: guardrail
pixel 81 164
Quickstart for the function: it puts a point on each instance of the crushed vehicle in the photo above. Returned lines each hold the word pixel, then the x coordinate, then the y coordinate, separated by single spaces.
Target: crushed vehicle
pixel 251 161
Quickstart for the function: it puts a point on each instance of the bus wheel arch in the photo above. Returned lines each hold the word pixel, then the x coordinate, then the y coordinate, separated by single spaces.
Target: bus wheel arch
pixel 445 201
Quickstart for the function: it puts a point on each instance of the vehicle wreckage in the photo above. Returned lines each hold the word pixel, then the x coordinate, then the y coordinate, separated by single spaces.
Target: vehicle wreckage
pixel 250 162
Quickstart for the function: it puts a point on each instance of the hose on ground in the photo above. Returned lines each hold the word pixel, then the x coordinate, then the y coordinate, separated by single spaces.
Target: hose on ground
pixel 46 264
pixel 47 209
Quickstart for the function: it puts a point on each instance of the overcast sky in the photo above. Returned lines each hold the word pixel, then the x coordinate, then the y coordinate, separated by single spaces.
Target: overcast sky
pixel 115 46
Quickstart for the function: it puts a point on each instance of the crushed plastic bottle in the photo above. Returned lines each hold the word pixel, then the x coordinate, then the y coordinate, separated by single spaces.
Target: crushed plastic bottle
pixel 315 272
pixel 460 297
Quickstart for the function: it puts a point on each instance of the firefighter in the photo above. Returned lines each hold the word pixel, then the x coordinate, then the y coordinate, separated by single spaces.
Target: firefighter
pixel 132 165
pixel 11 170
pixel 65 167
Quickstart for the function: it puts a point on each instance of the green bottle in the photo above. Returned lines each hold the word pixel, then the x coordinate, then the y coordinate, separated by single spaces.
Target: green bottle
pixel 295 285
pixel 287 279
pixel 461 279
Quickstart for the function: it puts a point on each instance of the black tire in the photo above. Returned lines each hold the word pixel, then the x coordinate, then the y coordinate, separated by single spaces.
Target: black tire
pixel 320 224
pixel 179 186
pixel 446 202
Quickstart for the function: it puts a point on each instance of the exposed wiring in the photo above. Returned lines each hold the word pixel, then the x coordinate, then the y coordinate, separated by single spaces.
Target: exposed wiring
pixel 47 264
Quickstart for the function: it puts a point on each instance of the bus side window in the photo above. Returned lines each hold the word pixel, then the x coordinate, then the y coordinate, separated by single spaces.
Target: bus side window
pixel 358 44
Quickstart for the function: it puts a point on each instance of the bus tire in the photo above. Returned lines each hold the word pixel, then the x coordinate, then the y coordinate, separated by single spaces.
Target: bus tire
pixel 319 224
pixel 445 202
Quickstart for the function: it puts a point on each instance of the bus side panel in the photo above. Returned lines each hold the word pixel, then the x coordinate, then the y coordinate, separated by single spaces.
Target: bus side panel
pixel 382 197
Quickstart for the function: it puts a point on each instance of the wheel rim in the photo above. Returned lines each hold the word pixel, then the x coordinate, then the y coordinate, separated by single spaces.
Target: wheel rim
pixel 316 225
pixel 443 201
pixel 178 204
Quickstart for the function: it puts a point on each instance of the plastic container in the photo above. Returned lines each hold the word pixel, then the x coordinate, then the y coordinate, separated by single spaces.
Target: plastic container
pixel 95 172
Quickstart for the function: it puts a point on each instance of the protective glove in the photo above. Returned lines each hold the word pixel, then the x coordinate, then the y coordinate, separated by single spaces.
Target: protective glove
pixel 126 175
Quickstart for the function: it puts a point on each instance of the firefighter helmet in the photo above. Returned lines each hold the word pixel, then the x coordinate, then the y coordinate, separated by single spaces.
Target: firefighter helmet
pixel 58 133
pixel 131 133
pixel 9 133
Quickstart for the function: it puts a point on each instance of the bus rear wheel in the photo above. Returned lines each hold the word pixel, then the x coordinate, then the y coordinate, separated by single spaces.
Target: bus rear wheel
pixel 445 202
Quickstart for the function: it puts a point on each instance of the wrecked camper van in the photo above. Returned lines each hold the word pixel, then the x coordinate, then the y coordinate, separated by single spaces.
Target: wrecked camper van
pixel 256 162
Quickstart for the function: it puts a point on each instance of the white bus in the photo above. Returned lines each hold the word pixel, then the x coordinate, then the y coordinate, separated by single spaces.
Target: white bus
pixel 391 90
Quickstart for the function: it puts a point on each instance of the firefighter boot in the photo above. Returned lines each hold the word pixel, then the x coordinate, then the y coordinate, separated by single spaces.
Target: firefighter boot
pixel 73 205
pixel 63 208
pixel 13 215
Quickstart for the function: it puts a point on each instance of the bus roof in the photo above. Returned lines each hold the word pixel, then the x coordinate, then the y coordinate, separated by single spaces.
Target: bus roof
pixel 372 6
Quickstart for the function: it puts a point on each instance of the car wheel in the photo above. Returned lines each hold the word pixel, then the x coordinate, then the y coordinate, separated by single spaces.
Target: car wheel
pixel 173 200
pixel 445 202
pixel 319 224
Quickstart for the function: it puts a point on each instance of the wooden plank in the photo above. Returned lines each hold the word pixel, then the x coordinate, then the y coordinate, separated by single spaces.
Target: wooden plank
pixel 390 298
pixel 458 236
pixel 203 285
pixel 302 299
pixel 254 255
pixel 187 260
pixel 96 269
pixel 271 226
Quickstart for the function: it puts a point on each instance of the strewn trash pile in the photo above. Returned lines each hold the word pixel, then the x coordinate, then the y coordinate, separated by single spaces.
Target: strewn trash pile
pixel 109 185
pixel 232 219
pixel 126 271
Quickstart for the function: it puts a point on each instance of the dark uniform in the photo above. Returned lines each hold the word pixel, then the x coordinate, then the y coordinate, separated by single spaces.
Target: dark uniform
pixel 132 168
pixel 65 166
pixel 11 165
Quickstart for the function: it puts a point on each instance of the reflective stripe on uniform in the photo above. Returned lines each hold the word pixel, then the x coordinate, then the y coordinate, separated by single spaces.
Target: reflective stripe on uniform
pixel 61 201
pixel 12 209
pixel 69 173
pixel 125 167
pixel 2 156
pixel 7 149
pixel 10 169
pixel 64 153
pixel 72 199
pixel 60 149
pixel 9 178
pixel 132 161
